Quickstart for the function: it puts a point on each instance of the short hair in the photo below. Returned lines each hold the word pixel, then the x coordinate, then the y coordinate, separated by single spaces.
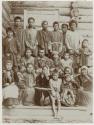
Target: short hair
pixel 55 23
pixel 44 22
pixel 55 72
pixel 28 64
pixel 17 18
pixel 64 24
pixel 31 18
pixel 9 29
pixel 28 49
pixel 68 68
pixel 73 21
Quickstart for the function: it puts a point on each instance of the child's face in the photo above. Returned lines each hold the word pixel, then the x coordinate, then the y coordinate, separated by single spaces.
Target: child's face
pixel 84 72
pixel 10 34
pixel 66 56
pixel 41 53
pixel 22 69
pixel 29 68
pixel 55 76
pixel 68 78
pixel 64 28
pixel 55 56
pixel 28 53
pixel 9 66
pixel 56 27
pixel 73 26
pixel 85 43
pixel 68 71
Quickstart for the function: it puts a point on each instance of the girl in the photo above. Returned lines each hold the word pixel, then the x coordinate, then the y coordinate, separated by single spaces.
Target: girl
pixel 85 54
pixel 29 78
pixel 10 89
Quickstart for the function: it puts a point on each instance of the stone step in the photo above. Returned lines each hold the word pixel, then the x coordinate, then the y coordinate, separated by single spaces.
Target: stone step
pixel 44 114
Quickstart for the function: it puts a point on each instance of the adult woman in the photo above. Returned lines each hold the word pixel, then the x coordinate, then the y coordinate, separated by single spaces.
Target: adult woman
pixel 85 86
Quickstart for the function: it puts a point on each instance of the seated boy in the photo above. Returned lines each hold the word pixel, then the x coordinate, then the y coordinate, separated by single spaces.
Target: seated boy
pixel 55 85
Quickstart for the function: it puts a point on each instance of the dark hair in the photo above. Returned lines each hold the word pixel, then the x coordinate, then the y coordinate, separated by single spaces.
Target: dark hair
pixel 28 49
pixel 67 68
pixel 9 29
pixel 55 23
pixel 31 18
pixel 65 25
pixel 73 21
pixel 17 18
pixel 44 22
pixel 55 72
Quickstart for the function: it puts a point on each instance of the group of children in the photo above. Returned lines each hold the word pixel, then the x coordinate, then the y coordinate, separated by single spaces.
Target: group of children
pixel 41 80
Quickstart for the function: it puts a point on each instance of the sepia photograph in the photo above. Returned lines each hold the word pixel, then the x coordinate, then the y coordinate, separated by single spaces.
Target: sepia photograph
pixel 47 61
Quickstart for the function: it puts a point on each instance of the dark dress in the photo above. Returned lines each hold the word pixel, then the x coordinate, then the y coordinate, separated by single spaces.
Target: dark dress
pixel 84 96
pixel 41 81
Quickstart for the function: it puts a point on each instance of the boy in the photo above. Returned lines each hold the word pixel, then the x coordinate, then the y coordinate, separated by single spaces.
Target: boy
pixel 55 85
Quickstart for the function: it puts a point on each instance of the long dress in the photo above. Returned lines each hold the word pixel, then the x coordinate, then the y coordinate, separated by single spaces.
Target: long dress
pixel 85 57
pixel 29 89
pixel 10 92
pixel 84 96
pixel 10 50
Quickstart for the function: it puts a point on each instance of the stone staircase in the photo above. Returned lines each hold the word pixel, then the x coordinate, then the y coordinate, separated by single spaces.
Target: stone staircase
pixel 43 114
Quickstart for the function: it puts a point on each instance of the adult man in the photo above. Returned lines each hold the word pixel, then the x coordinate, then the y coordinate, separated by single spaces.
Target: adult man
pixel 19 34
pixel 65 31
pixel 42 61
pixel 44 37
pixel 30 36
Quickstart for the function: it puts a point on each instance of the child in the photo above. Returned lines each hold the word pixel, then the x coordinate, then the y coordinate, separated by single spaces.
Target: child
pixel 85 54
pixel 28 58
pixel 21 83
pixel 29 78
pixel 56 63
pixel 66 62
pixel 42 81
pixel 10 90
pixel 18 63
pixel 68 95
pixel 55 85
